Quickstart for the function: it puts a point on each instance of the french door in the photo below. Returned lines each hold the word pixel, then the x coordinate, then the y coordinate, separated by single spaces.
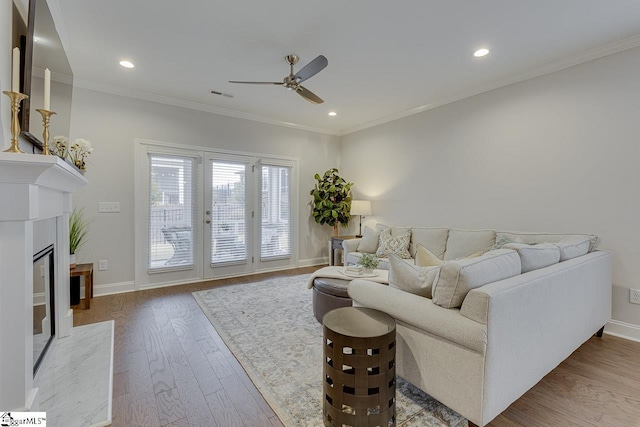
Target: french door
pixel 228 224
pixel 206 214
pixel 248 215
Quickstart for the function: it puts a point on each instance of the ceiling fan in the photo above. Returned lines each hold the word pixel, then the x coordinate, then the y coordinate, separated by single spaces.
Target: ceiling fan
pixel 292 81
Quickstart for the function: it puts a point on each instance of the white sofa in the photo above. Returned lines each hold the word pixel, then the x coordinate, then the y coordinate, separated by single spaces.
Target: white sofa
pixel 506 335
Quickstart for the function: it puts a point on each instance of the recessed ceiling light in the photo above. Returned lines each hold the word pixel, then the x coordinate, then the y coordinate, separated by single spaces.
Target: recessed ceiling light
pixel 127 64
pixel 333 113
pixel 481 52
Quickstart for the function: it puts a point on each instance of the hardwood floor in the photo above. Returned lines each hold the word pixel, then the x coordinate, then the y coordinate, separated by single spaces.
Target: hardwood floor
pixel 171 368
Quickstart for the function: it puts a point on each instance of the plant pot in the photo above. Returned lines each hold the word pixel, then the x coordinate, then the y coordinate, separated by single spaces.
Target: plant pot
pixel 367 271
pixel 72 261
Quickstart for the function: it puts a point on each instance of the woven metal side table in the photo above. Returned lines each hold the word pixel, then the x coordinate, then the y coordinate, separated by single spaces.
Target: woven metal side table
pixel 359 368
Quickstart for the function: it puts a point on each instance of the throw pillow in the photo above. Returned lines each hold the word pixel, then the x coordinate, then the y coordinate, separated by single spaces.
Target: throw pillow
pixel 394 245
pixel 574 246
pixel 414 280
pixel 457 278
pixel 426 258
pixel 369 242
pixel 534 257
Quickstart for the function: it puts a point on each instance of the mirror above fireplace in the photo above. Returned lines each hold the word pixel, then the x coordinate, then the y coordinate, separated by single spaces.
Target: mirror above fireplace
pixel 44 50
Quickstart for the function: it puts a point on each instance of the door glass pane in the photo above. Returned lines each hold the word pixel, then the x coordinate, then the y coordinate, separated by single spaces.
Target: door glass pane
pixel 170 211
pixel 275 228
pixel 228 213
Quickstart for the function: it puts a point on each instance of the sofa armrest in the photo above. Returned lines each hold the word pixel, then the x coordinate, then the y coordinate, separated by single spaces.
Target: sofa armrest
pixel 349 245
pixel 421 313
pixel 536 320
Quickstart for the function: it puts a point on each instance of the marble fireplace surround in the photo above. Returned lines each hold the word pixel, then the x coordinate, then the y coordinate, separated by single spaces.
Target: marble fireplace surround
pixel 32 188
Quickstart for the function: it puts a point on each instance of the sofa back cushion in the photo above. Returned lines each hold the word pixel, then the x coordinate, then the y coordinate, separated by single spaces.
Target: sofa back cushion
pixel 462 243
pixel 409 278
pixel 434 239
pixel 533 237
pixel 573 246
pixel 458 277
pixel 534 257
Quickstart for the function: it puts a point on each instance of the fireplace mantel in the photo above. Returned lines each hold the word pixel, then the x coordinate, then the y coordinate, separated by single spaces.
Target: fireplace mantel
pixel 32 188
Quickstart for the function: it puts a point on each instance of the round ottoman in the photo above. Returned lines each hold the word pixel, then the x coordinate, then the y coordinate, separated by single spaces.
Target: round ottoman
pixel 329 294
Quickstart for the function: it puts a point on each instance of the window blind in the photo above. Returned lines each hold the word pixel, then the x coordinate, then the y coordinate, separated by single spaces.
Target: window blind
pixel 228 212
pixel 171 201
pixel 275 230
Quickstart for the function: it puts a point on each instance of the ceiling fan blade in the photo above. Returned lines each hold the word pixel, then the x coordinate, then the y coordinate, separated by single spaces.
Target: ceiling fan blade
pixel 257 83
pixel 311 69
pixel 309 96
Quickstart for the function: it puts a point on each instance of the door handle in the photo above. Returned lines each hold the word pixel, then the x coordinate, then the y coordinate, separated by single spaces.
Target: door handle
pixel 208 221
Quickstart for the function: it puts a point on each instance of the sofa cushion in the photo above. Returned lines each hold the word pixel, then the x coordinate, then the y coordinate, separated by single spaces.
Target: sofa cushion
pixel 533 237
pixel 410 278
pixel 398 245
pixel 395 230
pixel 434 239
pixel 369 242
pixel 574 246
pixel 425 258
pixel 458 277
pixel 534 257
pixel 462 243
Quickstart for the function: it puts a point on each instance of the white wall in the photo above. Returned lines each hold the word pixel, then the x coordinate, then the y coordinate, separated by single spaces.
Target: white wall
pixel 112 123
pixel 557 153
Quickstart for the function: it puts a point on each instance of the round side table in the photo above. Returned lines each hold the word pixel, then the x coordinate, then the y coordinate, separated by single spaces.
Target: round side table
pixel 359 368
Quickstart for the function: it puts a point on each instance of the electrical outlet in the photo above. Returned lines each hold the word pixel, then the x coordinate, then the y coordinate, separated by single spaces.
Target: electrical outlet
pixel 103 264
pixel 108 207
pixel 634 296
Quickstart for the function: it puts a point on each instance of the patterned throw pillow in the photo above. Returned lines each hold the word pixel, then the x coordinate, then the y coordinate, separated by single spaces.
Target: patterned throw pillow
pixel 398 245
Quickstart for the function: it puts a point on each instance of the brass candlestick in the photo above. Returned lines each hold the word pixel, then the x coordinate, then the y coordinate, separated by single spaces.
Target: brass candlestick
pixel 16 98
pixel 46 117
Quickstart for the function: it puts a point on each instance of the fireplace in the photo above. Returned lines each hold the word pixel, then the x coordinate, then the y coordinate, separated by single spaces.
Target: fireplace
pixel 36 192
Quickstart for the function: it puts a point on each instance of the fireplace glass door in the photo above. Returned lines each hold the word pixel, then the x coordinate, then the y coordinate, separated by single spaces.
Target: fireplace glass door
pixel 43 307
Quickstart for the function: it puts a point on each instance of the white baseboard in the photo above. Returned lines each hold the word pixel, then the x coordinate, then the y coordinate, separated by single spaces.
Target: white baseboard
pixel 624 330
pixel 310 262
pixel 110 288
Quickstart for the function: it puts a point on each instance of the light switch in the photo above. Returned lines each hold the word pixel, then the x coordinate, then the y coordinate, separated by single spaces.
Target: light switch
pixel 108 207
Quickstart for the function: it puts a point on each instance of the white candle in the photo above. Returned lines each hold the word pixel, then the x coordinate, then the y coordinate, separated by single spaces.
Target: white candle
pixel 15 75
pixel 47 89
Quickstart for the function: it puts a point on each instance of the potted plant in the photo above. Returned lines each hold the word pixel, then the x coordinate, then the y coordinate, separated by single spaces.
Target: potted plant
pixel 368 262
pixel 78 229
pixel 331 200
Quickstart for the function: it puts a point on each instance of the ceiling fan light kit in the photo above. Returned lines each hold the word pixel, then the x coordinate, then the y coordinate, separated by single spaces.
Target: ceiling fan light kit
pixel 292 81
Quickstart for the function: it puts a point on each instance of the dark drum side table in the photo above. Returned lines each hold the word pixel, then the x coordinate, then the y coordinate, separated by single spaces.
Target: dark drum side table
pixel 359 368
pixel 85 270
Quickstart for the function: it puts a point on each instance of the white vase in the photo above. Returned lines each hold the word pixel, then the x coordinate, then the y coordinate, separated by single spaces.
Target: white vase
pixel 72 260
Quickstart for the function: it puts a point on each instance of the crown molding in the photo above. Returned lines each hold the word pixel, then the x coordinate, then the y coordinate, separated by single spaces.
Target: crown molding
pixel 146 96
pixel 561 64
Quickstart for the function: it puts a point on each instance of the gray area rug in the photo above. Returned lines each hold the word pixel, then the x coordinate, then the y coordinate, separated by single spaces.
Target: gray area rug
pixel 270 328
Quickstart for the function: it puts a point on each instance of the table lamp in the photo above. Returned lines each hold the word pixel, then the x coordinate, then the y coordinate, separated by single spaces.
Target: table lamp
pixel 361 208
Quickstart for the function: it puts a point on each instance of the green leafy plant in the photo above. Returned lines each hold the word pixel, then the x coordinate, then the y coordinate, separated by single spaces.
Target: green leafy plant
pixel 368 261
pixel 331 199
pixel 78 230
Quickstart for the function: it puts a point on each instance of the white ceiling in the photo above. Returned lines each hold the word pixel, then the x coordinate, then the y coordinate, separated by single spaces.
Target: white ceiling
pixel 386 58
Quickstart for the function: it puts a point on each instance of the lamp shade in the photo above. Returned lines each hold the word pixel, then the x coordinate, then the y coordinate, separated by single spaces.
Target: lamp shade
pixel 360 207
